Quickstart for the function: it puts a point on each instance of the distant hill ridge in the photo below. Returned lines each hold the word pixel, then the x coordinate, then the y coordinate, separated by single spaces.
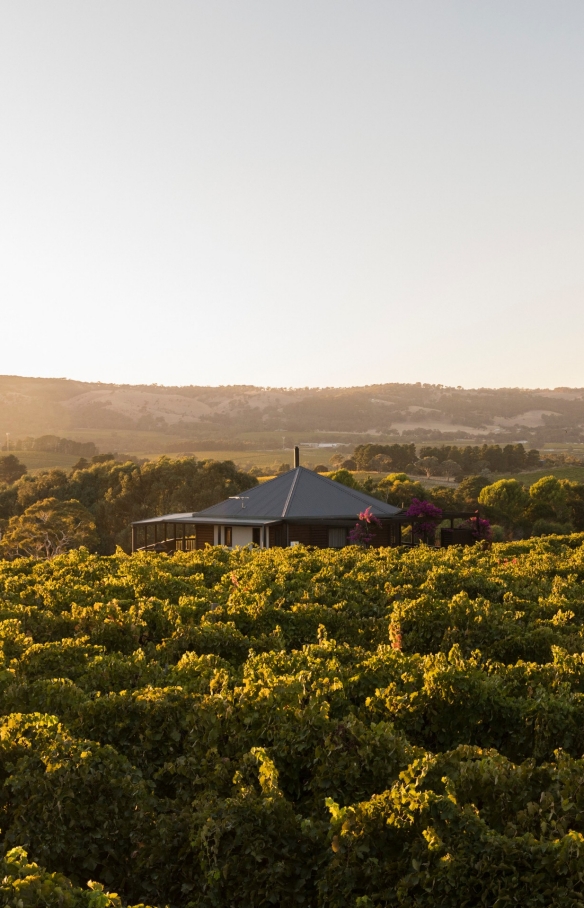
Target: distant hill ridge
pixel 35 406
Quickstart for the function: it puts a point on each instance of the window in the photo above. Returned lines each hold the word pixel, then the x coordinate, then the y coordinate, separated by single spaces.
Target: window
pixel 256 535
pixel 337 537
pixel 228 533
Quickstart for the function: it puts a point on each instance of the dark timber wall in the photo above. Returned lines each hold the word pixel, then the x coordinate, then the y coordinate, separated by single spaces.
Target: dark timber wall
pixel 205 535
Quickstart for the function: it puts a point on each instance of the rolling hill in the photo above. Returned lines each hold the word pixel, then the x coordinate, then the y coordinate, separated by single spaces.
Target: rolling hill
pixel 153 417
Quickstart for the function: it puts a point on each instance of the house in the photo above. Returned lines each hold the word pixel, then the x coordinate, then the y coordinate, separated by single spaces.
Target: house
pixel 298 506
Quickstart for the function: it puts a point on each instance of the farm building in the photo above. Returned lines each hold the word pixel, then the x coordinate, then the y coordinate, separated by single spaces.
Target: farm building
pixel 298 506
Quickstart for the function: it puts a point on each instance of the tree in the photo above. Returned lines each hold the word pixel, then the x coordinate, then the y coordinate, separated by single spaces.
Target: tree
pixel 550 498
pixel 381 463
pixel 400 455
pixel 102 458
pixel 11 468
pixel 543 527
pixel 429 465
pixel 345 478
pixel 336 460
pixel 49 528
pixel 506 500
pixel 575 502
pixel 451 469
pixel 468 491
pixel 397 490
pixel 443 497
pixel 119 493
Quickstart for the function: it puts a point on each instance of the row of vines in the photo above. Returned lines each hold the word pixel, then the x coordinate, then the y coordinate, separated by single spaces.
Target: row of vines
pixel 298 727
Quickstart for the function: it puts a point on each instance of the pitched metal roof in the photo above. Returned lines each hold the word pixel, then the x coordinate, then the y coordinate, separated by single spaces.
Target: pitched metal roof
pixel 189 518
pixel 301 494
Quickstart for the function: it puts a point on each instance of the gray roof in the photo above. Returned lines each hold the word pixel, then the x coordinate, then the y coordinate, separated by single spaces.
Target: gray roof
pixel 301 494
pixel 189 517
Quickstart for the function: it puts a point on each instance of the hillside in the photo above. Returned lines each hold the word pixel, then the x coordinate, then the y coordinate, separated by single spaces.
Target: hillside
pixel 152 417
pixel 382 728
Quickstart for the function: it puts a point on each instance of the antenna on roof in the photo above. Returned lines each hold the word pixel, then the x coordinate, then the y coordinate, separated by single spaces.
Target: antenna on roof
pixel 296 456
pixel 241 498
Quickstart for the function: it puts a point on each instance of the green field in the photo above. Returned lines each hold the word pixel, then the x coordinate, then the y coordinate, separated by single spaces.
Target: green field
pixel 129 440
pixel 45 460
pixel 309 457
pixel 576 474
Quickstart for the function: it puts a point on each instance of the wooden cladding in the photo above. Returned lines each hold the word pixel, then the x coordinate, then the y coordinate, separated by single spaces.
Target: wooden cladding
pixel 205 535
pixel 317 535
pixel 278 536
pixel 299 532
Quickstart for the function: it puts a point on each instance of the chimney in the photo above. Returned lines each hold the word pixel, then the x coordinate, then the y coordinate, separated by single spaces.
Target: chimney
pixel 296 456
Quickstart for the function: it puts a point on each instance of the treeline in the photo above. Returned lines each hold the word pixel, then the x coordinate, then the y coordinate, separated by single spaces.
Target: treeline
pixel 470 459
pixel 59 445
pixel 111 495
pixel 398 456
pixel 294 727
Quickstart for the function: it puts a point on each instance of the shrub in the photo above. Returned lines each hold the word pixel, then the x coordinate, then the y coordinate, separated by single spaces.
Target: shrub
pixel 365 727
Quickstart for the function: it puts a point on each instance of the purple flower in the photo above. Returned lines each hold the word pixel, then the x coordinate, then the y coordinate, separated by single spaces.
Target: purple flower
pixel 482 530
pixel 368 517
pixel 426 516
pixel 424 509
pixel 363 531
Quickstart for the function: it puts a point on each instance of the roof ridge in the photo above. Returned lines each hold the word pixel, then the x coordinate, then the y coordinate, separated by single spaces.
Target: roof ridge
pixel 291 492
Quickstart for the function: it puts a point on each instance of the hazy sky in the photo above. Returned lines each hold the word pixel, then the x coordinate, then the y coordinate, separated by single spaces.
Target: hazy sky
pixel 293 193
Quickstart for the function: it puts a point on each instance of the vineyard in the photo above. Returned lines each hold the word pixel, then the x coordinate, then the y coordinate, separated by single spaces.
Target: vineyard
pixel 362 728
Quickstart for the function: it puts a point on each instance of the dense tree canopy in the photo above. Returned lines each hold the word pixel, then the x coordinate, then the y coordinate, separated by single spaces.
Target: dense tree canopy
pixel 506 501
pixel 118 493
pixel 11 468
pixel 474 458
pixel 47 528
pixel 470 459
pixel 400 455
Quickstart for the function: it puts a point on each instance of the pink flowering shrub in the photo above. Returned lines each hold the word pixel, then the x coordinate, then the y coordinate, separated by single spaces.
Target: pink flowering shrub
pixel 430 514
pixel 482 530
pixel 426 515
pixel 363 533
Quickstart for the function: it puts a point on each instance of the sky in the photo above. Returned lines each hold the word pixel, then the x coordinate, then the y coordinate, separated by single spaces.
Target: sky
pixel 293 194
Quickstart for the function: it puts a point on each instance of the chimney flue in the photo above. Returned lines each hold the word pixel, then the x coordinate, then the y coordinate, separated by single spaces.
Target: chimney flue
pixel 296 456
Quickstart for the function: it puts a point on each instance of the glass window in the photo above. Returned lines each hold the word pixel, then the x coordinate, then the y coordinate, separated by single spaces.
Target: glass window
pixel 337 537
pixel 255 535
pixel 228 533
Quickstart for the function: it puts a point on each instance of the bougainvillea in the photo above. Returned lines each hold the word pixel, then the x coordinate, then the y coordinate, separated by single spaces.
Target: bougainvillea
pixel 426 515
pixel 363 533
pixel 480 529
